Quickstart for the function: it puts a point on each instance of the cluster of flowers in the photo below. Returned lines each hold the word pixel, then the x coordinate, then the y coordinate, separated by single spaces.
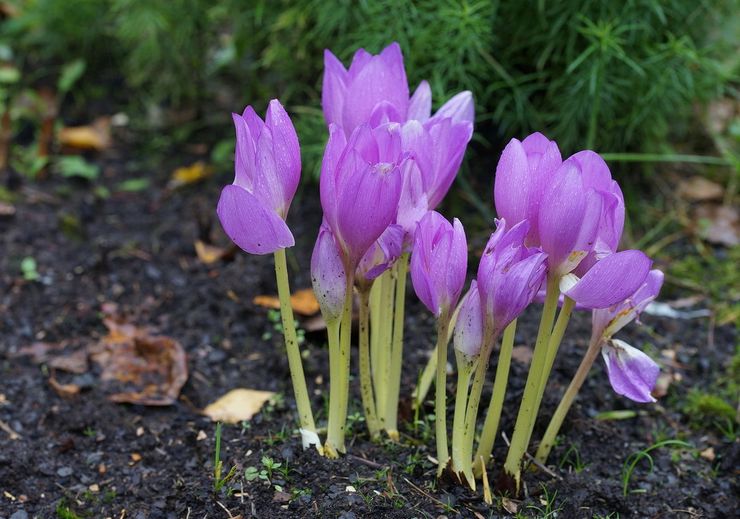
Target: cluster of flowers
pixel 388 163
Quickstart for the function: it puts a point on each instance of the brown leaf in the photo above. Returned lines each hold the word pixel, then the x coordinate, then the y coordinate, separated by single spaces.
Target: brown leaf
pixel 522 354
pixel 64 390
pixel 191 174
pixel 303 302
pixel 237 405
pixel 74 362
pixel 140 368
pixel 510 505
pixel 697 189
pixel 718 224
pixel 708 454
pixel 208 254
pixel 93 137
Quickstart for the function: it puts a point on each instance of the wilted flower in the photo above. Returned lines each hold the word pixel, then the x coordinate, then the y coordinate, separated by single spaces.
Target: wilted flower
pixel 631 373
pixel 608 321
pixel 252 210
pixel 360 186
pixel 439 263
pixel 381 255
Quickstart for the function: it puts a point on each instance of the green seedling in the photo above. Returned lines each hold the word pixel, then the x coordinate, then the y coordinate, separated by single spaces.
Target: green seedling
pixel 633 459
pixel 218 481
pixel 28 269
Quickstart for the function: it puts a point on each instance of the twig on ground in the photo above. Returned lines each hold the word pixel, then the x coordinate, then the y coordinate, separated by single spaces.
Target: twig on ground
pixel 429 496
pixel 13 435
pixel 367 462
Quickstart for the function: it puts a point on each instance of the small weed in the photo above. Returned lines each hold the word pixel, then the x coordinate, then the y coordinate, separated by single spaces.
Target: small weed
pixel 633 459
pixel 90 432
pixel 572 458
pixel 548 510
pixel 65 512
pixel 218 481
pixel 277 326
pixel 279 437
pixel 29 269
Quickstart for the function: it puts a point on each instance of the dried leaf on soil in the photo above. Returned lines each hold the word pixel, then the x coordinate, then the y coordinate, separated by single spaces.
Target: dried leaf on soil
pixel 208 254
pixel 64 390
pixel 237 405
pixel 73 362
pixel 143 368
pixel 191 174
pixel 303 302
pixel 718 224
pixel 697 189
pixel 93 137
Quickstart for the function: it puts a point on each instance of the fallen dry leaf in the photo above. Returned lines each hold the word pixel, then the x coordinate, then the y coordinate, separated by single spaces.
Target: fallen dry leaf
pixel 708 454
pixel 140 368
pixel 718 224
pixel 522 354
pixel 237 405
pixel 699 189
pixel 210 253
pixel 303 302
pixel 39 351
pixel 64 390
pixel 510 505
pixel 191 174
pixel 93 137
pixel 74 362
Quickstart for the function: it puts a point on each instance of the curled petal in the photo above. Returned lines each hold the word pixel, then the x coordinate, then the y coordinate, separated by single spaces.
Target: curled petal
pixel 611 280
pixel 327 275
pixel 468 335
pixel 420 104
pixel 459 108
pixel 608 321
pixel 631 373
pixel 382 254
pixel 252 226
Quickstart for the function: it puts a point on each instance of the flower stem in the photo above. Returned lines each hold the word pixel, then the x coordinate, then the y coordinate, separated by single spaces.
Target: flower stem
pixel 527 409
pixel 308 428
pixel 427 375
pixel 493 416
pixel 440 404
pixel 385 325
pixel 548 440
pixel 394 385
pixel 375 330
pixel 471 413
pixel 554 344
pixel 338 419
pixel 366 383
pixel 465 366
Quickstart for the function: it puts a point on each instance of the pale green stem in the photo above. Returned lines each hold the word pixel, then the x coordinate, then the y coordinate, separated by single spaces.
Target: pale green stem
pixel 465 366
pixel 427 375
pixel 527 409
pixel 337 424
pixel 303 403
pixel 471 413
pixel 440 404
pixel 394 386
pixel 366 383
pixel 493 416
pixel 384 345
pixel 554 344
pixel 548 440
pixel 375 327
pixel 335 400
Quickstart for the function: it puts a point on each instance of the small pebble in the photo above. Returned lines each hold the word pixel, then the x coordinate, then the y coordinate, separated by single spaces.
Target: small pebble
pixel 64 472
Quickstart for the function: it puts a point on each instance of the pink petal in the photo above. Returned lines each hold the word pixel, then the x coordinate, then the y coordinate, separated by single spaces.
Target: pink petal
pixel 335 148
pixel 334 88
pixel 611 280
pixel 631 373
pixel 459 108
pixel 252 226
pixel 420 104
pixel 245 154
pixel 327 275
pixel 468 335
pixel 286 151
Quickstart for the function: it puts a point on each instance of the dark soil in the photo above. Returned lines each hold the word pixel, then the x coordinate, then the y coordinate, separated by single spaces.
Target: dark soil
pixel 80 454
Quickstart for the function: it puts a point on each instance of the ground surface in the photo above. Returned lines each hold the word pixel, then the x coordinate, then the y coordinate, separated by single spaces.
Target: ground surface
pixel 82 454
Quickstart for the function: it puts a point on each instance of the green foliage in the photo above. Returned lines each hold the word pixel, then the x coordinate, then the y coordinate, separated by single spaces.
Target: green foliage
pixel 633 459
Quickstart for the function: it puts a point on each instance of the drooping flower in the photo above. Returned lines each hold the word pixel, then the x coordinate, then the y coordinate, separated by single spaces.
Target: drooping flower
pixel 523 171
pixel 252 210
pixel 360 186
pixel 509 274
pixel 381 255
pixel 439 262
pixel 631 373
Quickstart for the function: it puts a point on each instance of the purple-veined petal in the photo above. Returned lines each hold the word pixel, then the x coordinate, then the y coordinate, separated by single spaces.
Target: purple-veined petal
pixel 335 148
pixel 333 89
pixel 413 203
pixel 244 154
pixel 468 334
pixel 420 104
pixel 512 187
pixel 608 321
pixel 458 262
pixel 517 290
pixel 286 151
pixel 327 275
pixel 382 254
pixel 252 226
pixel 459 108
pixel 631 373
pixel 611 280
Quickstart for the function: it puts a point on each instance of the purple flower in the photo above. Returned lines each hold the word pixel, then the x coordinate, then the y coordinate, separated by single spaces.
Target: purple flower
pixel 468 336
pixel 439 262
pixel 252 210
pixel 631 373
pixel 375 90
pixel 610 281
pixel 381 255
pixel 608 321
pixel 509 274
pixel 360 186
pixel 328 277
pixel 523 171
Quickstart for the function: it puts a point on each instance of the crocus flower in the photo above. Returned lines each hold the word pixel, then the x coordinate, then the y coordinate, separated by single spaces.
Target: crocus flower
pixel 468 335
pixel 375 90
pixel 631 373
pixel 523 171
pixel 610 281
pixel 439 263
pixel 252 210
pixel 328 277
pixel 509 274
pixel 360 186
pixel 381 255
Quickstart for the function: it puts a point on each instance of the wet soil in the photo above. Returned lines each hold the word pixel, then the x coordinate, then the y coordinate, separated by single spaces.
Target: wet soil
pixel 82 455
